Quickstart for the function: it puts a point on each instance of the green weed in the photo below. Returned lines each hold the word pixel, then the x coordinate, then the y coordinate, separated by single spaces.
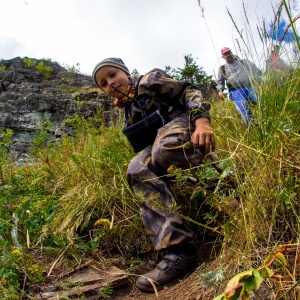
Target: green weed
pixel 29 62
pixel 46 71
pixel 40 67
pixel 106 291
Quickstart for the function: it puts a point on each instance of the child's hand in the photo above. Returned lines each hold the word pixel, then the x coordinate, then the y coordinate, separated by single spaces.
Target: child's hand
pixel 203 136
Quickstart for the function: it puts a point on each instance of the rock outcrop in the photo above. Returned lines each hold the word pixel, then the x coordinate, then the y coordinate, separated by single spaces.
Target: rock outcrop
pixel 33 91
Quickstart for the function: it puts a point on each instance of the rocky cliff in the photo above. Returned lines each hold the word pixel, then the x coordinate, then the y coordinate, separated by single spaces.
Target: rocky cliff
pixel 33 91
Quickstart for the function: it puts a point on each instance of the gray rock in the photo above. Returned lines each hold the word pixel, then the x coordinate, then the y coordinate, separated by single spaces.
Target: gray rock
pixel 29 97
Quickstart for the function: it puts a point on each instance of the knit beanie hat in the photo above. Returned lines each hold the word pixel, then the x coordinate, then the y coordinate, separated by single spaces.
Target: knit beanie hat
pixel 113 62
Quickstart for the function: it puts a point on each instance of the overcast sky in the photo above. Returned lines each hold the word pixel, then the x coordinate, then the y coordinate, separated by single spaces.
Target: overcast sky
pixel 145 34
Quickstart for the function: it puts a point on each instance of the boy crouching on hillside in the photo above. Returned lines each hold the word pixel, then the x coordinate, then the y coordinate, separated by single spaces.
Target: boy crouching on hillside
pixel 169 121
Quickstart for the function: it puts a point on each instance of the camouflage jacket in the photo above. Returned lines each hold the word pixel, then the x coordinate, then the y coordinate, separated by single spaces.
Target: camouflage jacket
pixel 161 89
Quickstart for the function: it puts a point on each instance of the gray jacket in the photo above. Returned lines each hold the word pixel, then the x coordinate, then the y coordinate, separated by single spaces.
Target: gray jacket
pixel 237 74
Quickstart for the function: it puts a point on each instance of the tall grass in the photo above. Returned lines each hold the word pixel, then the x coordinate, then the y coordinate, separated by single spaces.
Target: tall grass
pixel 266 165
pixel 88 172
pixel 73 200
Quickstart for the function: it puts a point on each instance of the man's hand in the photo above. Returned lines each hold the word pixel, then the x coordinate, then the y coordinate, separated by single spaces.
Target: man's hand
pixel 203 136
pixel 221 96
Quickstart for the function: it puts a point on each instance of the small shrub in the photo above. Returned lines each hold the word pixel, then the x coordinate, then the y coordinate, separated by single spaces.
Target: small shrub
pixel 46 71
pixel 106 291
pixel 29 62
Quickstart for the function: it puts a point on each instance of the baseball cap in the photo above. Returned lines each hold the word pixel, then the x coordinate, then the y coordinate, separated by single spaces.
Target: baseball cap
pixel 225 49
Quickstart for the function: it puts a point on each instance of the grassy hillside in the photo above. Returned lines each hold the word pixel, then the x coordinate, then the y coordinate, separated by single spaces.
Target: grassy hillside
pixel 74 200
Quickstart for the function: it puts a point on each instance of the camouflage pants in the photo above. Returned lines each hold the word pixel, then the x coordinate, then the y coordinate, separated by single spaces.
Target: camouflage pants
pixel 171 147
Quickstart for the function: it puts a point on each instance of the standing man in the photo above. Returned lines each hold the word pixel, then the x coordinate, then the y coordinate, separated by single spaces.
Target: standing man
pixel 236 73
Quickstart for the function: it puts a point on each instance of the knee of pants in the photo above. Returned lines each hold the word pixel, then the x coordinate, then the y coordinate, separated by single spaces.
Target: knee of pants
pixel 139 164
pixel 165 152
pixel 169 144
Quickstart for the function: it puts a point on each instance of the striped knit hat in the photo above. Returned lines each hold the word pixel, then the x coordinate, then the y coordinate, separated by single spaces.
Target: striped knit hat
pixel 113 62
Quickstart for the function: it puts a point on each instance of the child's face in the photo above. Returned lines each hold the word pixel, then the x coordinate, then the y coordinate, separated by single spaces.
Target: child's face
pixel 109 77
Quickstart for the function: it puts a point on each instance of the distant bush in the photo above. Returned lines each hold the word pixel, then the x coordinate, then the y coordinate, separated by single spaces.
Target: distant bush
pixel 29 62
pixel 46 71
pixel 191 73
pixel 40 67
pixel 2 69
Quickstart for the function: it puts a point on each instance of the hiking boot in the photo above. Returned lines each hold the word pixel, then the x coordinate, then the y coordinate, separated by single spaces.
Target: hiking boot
pixel 170 269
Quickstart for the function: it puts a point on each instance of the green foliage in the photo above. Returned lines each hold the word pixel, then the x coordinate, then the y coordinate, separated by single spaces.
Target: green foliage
pixel 27 198
pixel 247 281
pixel 83 125
pixel 25 207
pixel 5 139
pixel 5 142
pixel 46 71
pixel 17 265
pixel 265 163
pixel 40 67
pixel 9 271
pixel 93 186
pixel 29 62
pixel 191 73
pixel 106 291
pixel 135 72
pixel 41 136
pixel 2 69
pixel 76 96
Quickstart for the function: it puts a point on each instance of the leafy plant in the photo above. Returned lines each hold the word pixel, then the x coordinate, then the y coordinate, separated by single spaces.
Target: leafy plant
pixel 45 70
pixel 106 291
pixel 5 142
pixel 245 282
pixel 29 62
pixel 40 67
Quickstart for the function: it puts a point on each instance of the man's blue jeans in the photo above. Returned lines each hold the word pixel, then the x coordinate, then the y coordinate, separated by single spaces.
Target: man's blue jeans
pixel 241 98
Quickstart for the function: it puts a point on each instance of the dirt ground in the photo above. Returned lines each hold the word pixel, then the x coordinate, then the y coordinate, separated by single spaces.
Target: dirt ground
pixel 91 278
pixel 187 289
